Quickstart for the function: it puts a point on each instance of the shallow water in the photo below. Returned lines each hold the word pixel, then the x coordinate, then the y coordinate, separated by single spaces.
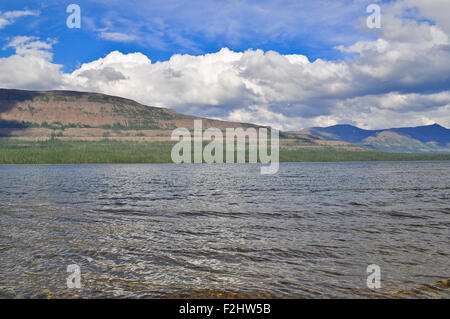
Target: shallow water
pixel 225 230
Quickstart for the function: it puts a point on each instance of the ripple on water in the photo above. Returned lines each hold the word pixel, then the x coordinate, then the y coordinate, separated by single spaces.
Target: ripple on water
pixel 224 231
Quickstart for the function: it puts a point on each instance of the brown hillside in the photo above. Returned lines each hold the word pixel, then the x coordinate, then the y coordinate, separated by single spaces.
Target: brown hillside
pixel 69 115
pixel 90 110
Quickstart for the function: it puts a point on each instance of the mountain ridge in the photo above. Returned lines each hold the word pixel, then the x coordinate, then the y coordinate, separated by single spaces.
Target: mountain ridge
pixel 74 115
pixel 74 109
pixel 426 138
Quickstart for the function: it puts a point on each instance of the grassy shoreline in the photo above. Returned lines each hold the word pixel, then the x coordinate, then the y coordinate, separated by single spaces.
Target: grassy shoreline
pixel 119 152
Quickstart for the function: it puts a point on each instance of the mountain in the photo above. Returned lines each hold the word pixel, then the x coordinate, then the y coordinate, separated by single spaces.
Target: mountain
pixel 70 115
pixel 81 115
pixel 421 139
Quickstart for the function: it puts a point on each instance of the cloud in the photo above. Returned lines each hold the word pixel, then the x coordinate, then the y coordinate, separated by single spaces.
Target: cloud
pixel 401 78
pixel 104 75
pixel 436 10
pixel 196 25
pixel 117 36
pixel 31 66
pixel 288 91
pixel 9 17
pixel 32 46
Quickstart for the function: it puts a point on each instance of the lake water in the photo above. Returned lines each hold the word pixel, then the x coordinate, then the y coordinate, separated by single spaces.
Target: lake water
pixel 225 230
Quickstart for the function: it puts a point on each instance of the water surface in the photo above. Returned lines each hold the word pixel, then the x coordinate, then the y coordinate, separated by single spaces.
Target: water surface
pixel 225 231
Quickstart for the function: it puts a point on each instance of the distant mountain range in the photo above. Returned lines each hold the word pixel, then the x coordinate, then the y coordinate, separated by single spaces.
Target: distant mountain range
pixel 69 115
pixel 421 139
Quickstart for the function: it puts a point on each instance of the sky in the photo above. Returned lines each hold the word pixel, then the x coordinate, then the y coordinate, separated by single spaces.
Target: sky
pixel 288 64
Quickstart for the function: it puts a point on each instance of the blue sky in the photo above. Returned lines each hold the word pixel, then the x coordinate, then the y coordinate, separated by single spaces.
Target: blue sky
pixel 163 28
pixel 288 64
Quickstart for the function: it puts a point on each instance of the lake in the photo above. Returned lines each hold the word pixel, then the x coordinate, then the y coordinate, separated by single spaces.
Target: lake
pixel 157 231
